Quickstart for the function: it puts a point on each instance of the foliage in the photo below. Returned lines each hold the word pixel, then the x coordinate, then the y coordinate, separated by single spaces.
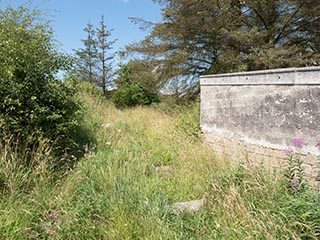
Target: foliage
pixel 249 199
pixel 139 71
pixel 132 95
pixel 32 100
pixel 105 60
pixel 189 120
pixel 87 56
pixel 295 172
pixel 90 89
pixel 24 166
pixel 116 192
pixel 94 61
pixel 208 37
pixel 132 91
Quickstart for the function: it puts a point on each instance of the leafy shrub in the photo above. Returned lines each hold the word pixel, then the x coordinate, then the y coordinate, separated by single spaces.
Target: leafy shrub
pixel 33 101
pixel 133 94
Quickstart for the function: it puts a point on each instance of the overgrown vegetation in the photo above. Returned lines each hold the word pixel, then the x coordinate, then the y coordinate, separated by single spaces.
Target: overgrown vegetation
pixel 33 102
pixel 118 191
pixel 40 116
pixel 133 94
pixel 138 162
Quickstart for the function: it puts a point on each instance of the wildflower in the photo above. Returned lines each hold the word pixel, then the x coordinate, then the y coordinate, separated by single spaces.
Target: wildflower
pixel 54 215
pixel 318 145
pixel 108 143
pixel 218 225
pixel 288 151
pixel 298 142
pixel 51 233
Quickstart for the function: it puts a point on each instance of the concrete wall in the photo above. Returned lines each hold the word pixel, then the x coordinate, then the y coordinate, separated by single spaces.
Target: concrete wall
pixel 258 114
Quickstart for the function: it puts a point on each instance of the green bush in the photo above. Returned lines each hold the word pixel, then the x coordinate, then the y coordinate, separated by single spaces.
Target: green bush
pixel 133 94
pixel 32 100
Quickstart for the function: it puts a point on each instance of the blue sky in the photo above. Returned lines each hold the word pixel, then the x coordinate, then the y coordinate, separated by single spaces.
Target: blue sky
pixel 71 16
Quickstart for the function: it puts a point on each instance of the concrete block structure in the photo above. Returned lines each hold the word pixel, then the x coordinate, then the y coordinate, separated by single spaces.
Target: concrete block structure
pixel 256 115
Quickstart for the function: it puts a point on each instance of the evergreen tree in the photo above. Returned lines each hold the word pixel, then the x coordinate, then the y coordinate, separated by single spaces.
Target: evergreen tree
pixel 95 59
pixel 88 56
pixel 104 57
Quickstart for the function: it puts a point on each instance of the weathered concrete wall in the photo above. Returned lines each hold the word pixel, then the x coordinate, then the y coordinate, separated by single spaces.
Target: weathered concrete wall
pixel 261 112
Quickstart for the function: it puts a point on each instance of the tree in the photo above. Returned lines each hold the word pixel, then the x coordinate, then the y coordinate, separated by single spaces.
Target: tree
pixel 309 26
pixel 105 59
pixel 95 59
pixel 280 33
pixel 199 37
pixel 134 87
pixel 88 56
pixel 139 71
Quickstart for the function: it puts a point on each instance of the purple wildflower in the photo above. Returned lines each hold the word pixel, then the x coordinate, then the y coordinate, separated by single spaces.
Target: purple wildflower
pixel 54 215
pixel 288 151
pixel 318 145
pixel 298 142
pixel 294 185
pixel 51 233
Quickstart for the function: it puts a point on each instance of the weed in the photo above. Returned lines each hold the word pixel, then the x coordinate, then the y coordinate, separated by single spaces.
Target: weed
pixel 295 172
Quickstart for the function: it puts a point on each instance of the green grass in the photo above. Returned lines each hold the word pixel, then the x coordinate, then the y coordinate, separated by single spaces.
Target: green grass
pixel 114 192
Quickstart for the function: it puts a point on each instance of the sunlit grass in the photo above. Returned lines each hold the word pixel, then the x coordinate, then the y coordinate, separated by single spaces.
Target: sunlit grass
pixel 115 191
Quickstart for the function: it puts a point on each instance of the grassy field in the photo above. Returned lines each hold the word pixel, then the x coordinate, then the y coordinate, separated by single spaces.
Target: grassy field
pixel 118 190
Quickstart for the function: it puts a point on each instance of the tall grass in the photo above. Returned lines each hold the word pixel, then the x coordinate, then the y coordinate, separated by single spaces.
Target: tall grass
pixel 23 167
pixel 115 191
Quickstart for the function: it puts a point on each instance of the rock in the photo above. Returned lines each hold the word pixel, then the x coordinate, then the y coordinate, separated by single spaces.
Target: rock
pixel 190 206
pixel 106 125
pixel 163 169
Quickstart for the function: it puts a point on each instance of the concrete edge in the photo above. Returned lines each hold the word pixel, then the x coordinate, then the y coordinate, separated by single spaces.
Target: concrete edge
pixel 282 76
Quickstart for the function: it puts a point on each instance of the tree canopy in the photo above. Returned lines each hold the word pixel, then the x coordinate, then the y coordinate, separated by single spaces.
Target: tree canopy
pixel 216 36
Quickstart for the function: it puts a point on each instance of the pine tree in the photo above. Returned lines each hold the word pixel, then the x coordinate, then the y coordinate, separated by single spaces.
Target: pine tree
pixel 88 56
pixel 104 57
